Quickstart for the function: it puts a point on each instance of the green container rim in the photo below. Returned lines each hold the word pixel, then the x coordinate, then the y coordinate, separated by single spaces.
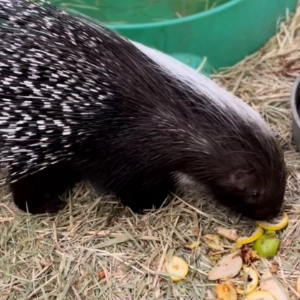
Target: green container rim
pixel 179 20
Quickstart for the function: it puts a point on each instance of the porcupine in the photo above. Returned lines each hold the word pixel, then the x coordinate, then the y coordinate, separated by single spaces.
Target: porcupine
pixel 79 102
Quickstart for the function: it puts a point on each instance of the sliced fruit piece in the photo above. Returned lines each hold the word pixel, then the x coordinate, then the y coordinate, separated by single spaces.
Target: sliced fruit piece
pixel 274 267
pixel 230 234
pixel 259 295
pixel 267 245
pixel 177 268
pixel 298 285
pixel 213 242
pixel 251 281
pixel 226 291
pixel 228 266
pixel 247 240
pixel 214 246
pixel 213 237
pixel 189 248
pixel 276 224
pixel 272 285
pixel 194 245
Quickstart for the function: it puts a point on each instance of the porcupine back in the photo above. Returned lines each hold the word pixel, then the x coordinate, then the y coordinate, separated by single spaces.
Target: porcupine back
pixel 128 116
pixel 57 77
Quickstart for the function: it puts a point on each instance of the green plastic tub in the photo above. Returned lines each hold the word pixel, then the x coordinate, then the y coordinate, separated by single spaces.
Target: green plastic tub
pixel 213 33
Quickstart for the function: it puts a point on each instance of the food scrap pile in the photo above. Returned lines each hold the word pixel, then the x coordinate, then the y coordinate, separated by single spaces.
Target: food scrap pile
pixel 236 273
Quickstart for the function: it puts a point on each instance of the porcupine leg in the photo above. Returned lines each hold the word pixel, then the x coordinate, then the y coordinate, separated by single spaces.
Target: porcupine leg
pixel 41 192
pixel 139 196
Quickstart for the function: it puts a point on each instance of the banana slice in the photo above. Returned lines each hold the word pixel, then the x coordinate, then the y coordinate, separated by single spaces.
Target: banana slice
pixel 251 279
pixel 247 240
pixel 277 225
pixel 177 268
pixel 259 295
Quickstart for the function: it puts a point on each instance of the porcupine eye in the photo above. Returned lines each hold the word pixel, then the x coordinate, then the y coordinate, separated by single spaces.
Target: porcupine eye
pixel 255 194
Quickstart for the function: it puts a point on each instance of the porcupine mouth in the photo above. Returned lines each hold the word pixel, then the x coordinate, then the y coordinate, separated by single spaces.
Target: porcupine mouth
pixel 252 211
pixel 258 214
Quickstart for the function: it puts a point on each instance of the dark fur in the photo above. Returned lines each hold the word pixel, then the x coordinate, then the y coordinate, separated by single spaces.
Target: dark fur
pixel 148 127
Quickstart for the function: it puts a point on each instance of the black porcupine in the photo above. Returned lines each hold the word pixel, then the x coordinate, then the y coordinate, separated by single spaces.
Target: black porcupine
pixel 79 102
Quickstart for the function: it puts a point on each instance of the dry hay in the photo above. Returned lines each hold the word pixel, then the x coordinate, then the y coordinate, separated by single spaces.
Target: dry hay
pixel 96 249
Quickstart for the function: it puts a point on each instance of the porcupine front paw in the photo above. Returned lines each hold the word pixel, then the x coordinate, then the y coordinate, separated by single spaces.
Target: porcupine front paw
pixel 139 199
pixel 41 192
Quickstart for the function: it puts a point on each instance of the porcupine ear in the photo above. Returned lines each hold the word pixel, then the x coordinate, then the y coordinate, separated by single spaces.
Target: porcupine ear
pixel 238 179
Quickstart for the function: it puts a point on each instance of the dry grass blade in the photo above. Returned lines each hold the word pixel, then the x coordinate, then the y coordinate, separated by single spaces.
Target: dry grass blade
pixel 61 257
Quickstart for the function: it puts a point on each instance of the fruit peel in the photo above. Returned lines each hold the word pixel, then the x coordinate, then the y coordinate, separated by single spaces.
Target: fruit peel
pixel 247 240
pixel 259 295
pixel 282 223
pixel 252 285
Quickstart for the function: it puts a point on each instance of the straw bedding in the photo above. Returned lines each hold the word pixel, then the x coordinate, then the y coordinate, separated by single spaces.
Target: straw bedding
pixel 97 249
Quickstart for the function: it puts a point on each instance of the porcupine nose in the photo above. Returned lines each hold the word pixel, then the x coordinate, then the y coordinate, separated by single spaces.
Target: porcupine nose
pixel 265 213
